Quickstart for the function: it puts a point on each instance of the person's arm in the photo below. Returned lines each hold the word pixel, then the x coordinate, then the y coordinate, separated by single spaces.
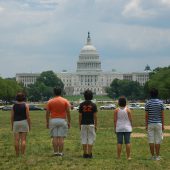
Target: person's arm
pixel 95 120
pixel 12 119
pixel 68 117
pixel 80 119
pixel 115 119
pixel 163 120
pixel 129 116
pixel 28 116
pixel 47 118
pixel 146 120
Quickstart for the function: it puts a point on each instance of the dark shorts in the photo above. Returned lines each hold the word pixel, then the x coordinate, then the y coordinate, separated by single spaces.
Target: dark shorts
pixel 125 135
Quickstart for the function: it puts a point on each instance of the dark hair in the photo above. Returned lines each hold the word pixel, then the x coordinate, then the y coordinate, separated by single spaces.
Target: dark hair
pixel 122 101
pixel 57 91
pixel 20 97
pixel 88 95
pixel 153 93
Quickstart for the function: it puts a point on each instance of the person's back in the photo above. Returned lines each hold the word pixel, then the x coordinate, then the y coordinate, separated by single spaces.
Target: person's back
pixel 58 107
pixel 19 111
pixel 123 126
pixel 123 122
pixel 58 120
pixel 154 108
pixel 20 122
pixel 87 108
pixel 154 118
pixel 88 123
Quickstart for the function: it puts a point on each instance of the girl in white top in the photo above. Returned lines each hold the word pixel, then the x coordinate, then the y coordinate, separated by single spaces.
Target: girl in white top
pixel 123 126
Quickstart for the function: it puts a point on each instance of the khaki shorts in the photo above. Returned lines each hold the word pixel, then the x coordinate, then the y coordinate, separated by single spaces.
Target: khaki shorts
pixel 58 127
pixel 20 126
pixel 155 134
pixel 88 134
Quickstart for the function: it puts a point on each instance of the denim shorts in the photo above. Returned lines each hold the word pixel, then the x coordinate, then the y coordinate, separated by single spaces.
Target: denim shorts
pixel 121 135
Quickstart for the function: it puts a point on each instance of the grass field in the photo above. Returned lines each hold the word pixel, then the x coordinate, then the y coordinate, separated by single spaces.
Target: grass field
pixel 39 151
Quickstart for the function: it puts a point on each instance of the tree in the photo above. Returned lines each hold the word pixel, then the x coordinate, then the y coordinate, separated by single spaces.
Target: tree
pixel 130 89
pixel 9 88
pixel 50 79
pixel 43 88
pixel 160 79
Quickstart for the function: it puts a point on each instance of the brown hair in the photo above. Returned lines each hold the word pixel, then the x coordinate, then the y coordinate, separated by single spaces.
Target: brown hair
pixel 20 97
pixel 122 101
pixel 88 95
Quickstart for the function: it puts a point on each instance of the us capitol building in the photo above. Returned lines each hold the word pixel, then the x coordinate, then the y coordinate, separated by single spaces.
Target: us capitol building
pixel 88 75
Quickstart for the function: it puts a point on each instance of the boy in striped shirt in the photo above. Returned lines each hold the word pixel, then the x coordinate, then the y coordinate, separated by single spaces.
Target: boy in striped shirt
pixel 154 118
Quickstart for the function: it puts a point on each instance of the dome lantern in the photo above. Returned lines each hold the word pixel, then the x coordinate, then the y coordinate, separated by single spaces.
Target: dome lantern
pixel 88 39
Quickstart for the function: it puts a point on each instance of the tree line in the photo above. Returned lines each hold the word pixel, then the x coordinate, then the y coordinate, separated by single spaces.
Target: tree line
pixel 159 78
pixel 42 90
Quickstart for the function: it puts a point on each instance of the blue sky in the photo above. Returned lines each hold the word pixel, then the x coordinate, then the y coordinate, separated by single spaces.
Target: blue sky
pixel 41 35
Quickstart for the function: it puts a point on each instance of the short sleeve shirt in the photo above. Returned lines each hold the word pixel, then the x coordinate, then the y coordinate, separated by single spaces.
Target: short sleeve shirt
pixel 58 107
pixel 87 109
pixel 154 107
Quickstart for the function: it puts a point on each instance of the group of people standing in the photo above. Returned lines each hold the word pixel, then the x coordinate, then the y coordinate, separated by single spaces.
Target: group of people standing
pixel 58 120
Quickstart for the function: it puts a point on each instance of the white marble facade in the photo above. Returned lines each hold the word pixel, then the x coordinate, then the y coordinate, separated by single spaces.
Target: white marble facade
pixel 88 75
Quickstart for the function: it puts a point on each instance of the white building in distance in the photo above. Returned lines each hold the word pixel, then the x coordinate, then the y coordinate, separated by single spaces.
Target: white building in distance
pixel 88 75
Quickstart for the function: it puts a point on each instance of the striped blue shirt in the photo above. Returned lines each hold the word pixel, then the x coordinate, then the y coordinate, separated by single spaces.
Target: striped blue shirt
pixel 154 107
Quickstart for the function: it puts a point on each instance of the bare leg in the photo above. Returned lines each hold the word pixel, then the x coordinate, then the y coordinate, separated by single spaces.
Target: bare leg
pixel 128 150
pixel 151 145
pixel 85 148
pixel 16 138
pixel 23 142
pixel 55 144
pixel 157 149
pixel 85 151
pixel 90 149
pixel 61 144
pixel 119 150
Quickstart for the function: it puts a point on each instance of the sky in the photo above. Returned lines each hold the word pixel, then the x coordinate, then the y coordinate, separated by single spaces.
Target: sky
pixel 42 35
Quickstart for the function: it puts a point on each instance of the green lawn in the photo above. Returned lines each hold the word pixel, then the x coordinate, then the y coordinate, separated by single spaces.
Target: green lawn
pixel 39 151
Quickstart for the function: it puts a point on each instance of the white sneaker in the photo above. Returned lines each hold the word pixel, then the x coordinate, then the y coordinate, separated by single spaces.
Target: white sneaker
pixel 55 153
pixel 61 154
pixel 158 158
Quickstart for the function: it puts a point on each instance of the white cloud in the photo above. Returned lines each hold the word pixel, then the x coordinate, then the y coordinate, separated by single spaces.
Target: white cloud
pixel 132 6
pixel 2 9
pixel 134 9
pixel 166 2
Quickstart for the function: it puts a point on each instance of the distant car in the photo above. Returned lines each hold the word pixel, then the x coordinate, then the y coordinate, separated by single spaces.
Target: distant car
pixel 133 106
pixel 7 108
pixel 34 107
pixel 167 107
pixel 76 108
pixel 108 107
pixel 1 107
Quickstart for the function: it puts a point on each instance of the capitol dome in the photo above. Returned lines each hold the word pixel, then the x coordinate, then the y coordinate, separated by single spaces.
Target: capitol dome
pixel 88 58
pixel 88 48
